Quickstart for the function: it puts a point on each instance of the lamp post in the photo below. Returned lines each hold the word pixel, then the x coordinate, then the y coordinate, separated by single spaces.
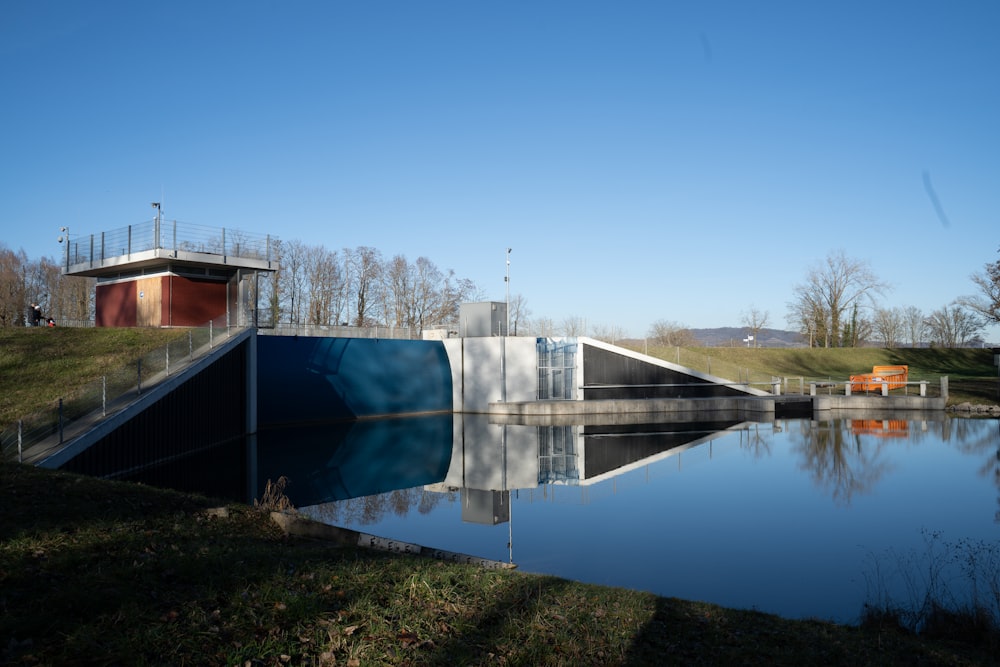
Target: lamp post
pixel 507 282
pixel 156 224
pixel 64 236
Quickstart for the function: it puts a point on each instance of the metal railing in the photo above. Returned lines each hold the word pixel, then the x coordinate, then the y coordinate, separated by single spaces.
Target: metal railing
pixel 344 331
pixel 922 388
pixel 109 394
pixel 169 235
pixel 789 385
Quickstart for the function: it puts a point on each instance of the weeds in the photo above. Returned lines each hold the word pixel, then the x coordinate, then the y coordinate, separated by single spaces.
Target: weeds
pixel 274 498
pixel 948 590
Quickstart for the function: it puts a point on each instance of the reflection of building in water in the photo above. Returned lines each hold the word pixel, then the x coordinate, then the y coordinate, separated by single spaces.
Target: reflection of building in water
pixel 558 454
pixel 488 461
pixel 485 507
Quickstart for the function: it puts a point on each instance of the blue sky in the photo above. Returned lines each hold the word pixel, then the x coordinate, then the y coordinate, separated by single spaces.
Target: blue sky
pixel 680 161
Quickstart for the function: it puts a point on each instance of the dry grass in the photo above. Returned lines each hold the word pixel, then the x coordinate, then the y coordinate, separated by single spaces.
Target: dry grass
pixel 95 572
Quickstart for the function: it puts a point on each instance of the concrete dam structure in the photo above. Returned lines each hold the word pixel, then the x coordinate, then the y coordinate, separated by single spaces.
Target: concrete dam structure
pixel 339 379
pixel 256 382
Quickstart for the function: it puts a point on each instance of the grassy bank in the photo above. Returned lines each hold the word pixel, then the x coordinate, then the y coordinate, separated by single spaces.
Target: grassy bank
pixel 37 366
pixel 95 572
pixel 972 377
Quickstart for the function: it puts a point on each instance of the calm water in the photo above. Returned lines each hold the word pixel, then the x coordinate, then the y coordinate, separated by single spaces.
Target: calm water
pixel 798 518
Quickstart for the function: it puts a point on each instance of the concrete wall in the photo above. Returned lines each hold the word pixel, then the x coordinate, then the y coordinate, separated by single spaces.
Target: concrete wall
pixel 489 370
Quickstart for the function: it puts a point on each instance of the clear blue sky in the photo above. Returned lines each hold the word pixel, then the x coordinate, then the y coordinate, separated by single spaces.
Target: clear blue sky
pixel 681 161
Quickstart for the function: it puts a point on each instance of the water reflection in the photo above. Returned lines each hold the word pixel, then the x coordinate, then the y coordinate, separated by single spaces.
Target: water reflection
pixel 326 462
pixel 779 516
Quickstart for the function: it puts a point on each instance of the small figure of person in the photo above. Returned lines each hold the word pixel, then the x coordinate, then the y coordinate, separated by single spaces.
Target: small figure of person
pixel 36 314
pixel 52 322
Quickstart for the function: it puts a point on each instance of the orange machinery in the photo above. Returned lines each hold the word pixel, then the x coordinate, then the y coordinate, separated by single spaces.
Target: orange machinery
pixel 889 428
pixel 895 376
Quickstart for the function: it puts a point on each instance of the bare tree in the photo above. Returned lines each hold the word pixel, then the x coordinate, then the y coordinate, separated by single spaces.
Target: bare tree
pixel 574 326
pixel 953 326
pixel 987 302
pixel 430 295
pixel 856 330
pixel 809 317
pixel 365 272
pixel 671 334
pixel 755 320
pixel 324 286
pixel 454 292
pixel 888 324
pixel 609 334
pixel 542 326
pixel 14 299
pixel 831 290
pixel 70 298
pixel 914 326
pixel 292 280
pixel 519 312
pixel 398 292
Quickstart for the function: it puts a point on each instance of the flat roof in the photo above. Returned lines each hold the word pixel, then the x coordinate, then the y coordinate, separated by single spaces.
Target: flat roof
pixel 160 244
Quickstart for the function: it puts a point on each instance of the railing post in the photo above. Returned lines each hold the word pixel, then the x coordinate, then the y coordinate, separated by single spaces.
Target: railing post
pixel 138 384
pixel 923 388
pixel 20 439
pixel 210 339
pixel 775 387
pixel 944 387
pixel 847 388
pixel 167 369
pixel 885 388
pixel 190 345
pixel 812 388
pixel 60 420
pixel 104 395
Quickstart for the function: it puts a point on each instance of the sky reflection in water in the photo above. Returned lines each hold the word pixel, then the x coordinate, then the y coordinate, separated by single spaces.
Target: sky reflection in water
pixel 786 518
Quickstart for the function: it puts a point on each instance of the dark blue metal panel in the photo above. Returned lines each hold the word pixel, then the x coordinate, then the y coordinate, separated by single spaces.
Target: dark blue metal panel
pixel 340 379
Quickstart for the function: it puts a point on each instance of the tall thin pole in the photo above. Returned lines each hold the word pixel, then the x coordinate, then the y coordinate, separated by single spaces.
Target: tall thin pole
pixel 156 224
pixel 507 282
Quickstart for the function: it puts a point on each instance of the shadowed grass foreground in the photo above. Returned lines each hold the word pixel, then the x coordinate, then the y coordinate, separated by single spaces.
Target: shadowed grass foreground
pixel 95 572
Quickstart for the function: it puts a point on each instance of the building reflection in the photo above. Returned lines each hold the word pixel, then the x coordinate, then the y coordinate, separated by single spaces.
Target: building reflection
pixel 365 470
pixel 489 461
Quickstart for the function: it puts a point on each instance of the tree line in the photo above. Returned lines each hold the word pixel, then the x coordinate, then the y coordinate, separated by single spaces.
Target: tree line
pixel 838 304
pixel 24 282
pixel 359 287
pixel 312 286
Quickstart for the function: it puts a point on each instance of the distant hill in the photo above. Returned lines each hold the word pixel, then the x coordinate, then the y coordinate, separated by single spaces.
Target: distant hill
pixel 734 337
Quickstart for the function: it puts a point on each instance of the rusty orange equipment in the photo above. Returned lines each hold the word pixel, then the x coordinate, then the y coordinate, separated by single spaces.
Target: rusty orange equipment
pixel 895 376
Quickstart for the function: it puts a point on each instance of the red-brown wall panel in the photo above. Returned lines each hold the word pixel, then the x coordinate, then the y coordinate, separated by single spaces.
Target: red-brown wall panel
pixel 189 302
pixel 115 305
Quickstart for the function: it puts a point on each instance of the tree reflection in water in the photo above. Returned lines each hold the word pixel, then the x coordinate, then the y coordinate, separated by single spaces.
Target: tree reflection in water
pixel 370 510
